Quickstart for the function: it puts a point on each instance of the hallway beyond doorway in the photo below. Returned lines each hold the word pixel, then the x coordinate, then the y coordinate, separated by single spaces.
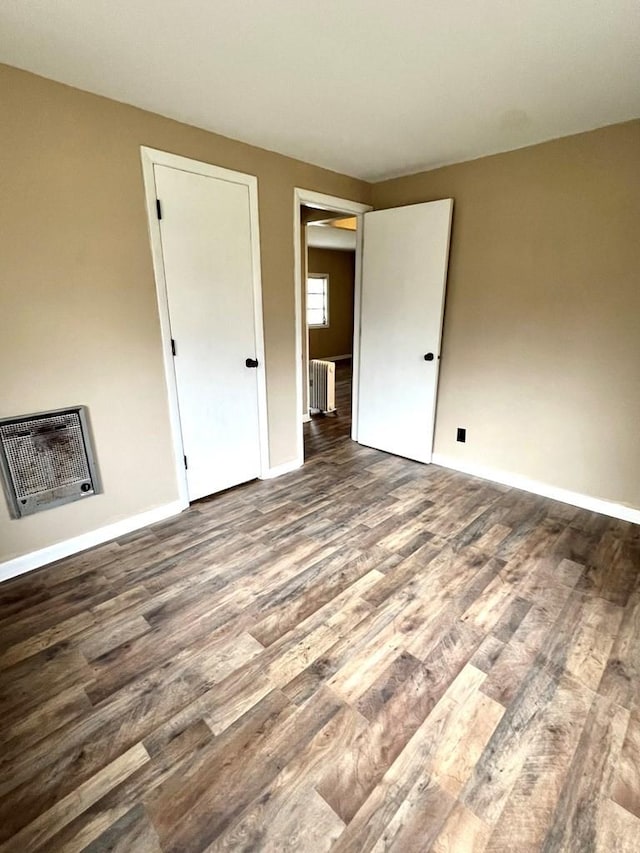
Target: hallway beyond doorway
pixel 326 432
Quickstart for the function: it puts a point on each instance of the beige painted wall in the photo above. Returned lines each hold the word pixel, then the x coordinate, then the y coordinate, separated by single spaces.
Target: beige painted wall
pixel 541 347
pixel 541 351
pixel 78 316
pixel 341 268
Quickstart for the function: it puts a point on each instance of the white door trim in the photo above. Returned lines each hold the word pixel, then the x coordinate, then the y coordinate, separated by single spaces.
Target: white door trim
pixel 151 157
pixel 348 207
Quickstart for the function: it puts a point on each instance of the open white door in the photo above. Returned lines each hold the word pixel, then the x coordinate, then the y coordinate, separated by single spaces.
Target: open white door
pixel 406 250
pixel 208 258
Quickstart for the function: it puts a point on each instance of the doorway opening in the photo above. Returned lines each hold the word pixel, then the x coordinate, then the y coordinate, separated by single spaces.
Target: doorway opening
pixel 328 247
pixel 329 317
pixel 398 319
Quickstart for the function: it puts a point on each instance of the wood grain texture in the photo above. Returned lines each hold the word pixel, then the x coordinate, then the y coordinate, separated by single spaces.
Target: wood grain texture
pixel 367 654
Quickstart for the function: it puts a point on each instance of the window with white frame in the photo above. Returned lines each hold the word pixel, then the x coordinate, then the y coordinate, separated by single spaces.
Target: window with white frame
pixel 318 300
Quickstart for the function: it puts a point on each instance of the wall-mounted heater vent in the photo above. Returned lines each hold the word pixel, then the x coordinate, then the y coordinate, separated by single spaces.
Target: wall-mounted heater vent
pixel 46 460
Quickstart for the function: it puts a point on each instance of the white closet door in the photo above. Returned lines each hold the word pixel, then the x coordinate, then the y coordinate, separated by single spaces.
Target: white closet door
pixel 406 251
pixel 206 248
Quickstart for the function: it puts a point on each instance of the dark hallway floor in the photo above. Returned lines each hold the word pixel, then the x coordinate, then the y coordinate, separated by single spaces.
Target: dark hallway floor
pixel 324 432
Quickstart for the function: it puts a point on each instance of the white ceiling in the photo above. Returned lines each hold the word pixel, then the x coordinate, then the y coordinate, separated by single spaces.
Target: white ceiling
pixel 325 237
pixel 367 87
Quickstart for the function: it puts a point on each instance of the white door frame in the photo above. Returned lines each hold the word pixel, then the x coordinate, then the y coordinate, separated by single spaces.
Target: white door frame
pixel 350 208
pixel 150 158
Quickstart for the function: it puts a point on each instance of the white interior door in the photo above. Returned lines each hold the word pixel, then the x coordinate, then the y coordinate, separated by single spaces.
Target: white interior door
pixel 404 273
pixel 206 237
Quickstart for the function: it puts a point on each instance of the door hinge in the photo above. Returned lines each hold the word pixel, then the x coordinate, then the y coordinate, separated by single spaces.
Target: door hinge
pixel 158 208
pixel 173 347
pixel 185 463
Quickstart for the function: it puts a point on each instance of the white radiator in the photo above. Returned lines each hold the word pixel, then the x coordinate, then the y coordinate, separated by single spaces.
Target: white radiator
pixel 322 385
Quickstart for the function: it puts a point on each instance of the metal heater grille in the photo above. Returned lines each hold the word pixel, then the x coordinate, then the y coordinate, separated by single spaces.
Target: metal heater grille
pixel 46 460
pixel 322 385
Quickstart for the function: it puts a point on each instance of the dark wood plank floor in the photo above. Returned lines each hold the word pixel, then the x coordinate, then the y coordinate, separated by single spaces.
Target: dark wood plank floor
pixel 366 654
pixel 326 431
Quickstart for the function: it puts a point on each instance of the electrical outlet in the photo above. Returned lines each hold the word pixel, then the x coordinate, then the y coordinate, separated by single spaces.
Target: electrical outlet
pixel 461 434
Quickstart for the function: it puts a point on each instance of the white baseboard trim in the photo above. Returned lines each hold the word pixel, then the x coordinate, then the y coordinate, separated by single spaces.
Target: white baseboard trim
pixel 37 559
pixel 336 357
pixel 285 468
pixel 306 418
pixel 615 510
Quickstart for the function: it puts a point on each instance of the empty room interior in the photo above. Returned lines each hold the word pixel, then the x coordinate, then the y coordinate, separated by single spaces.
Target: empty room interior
pixel 319 426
